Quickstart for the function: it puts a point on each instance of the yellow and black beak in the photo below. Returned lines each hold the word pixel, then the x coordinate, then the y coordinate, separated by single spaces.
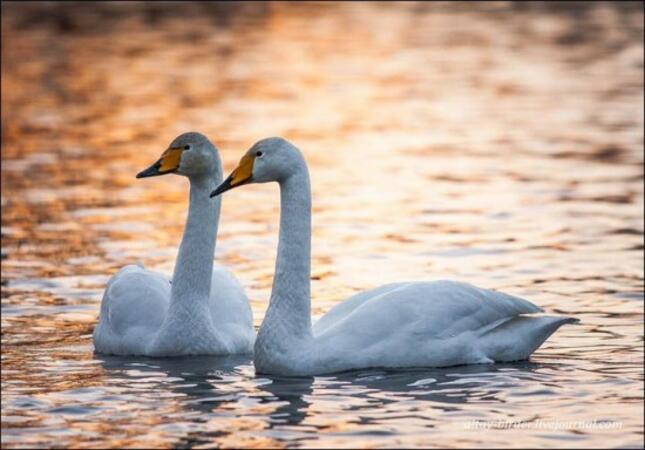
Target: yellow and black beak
pixel 243 174
pixel 168 163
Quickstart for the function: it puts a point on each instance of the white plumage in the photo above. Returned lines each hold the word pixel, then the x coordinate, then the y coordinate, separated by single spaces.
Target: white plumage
pixel 204 311
pixel 415 324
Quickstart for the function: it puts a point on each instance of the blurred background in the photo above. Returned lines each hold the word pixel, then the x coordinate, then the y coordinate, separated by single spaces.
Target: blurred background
pixel 499 143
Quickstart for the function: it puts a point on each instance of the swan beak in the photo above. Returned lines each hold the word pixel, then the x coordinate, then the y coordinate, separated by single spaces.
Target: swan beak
pixel 225 186
pixel 243 174
pixel 168 163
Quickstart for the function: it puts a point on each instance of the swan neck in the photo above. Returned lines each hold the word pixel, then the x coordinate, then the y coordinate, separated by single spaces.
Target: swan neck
pixel 191 279
pixel 290 296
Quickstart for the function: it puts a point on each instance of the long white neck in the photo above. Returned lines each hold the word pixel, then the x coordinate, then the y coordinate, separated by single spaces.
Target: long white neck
pixel 289 312
pixel 191 280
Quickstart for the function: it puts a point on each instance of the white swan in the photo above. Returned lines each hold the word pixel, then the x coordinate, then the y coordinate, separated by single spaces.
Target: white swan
pixel 439 323
pixel 204 311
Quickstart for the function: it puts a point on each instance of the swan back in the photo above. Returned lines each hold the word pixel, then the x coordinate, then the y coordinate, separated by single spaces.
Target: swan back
pixel 134 306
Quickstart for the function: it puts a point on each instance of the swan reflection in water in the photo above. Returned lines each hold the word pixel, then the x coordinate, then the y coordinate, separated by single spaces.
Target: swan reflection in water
pixel 218 387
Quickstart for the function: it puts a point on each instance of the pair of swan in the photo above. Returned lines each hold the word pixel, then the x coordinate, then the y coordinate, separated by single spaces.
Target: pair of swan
pixel 411 324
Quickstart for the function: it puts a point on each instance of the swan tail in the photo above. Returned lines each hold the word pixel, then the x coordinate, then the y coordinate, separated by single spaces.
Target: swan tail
pixel 519 336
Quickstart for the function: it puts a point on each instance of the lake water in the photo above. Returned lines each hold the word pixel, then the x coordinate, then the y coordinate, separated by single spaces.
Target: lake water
pixel 498 144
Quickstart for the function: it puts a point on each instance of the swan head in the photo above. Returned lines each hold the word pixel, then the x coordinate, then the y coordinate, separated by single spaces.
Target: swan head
pixel 189 154
pixel 271 159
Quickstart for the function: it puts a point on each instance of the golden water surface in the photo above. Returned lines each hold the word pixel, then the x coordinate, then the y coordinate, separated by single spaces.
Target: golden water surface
pixel 499 144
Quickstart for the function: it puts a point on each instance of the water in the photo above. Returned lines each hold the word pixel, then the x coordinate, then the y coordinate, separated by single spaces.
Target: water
pixel 498 144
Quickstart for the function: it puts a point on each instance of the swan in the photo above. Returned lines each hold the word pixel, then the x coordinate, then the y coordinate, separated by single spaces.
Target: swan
pixel 398 325
pixel 204 310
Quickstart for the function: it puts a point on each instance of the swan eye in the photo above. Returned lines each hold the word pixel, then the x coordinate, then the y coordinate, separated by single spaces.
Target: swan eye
pixel 259 154
pixel 186 147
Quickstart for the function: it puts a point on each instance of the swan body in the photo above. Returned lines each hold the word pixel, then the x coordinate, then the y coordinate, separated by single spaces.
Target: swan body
pixel 204 310
pixel 413 324
pixel 440 323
